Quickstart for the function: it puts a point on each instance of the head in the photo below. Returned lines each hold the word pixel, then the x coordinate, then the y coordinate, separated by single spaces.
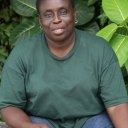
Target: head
pixel 57 18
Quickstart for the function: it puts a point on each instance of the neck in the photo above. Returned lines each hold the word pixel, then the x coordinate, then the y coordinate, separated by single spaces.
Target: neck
pixel 61 48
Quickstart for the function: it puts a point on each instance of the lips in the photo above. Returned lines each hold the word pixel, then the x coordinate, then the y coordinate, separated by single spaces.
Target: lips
pixel 58 31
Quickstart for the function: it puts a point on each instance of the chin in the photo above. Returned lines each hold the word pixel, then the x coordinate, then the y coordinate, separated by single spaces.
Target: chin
pixel 59 38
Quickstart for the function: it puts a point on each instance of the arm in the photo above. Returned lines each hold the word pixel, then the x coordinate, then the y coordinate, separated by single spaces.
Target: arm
pixel 119 115
pixel 16 118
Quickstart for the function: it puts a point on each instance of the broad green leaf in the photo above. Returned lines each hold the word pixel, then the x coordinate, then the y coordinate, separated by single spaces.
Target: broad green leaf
pixel 24 7
pixel 27 28
pixel 84 12
pixel 91 2
pixel 108 31
pixel 120 46
pixel 116 10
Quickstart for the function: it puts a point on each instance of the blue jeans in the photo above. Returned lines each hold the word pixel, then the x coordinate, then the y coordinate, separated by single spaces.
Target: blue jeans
pixel 99 121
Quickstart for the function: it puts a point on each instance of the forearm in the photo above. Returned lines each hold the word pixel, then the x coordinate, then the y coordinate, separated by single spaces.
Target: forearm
pixel 15 117
pixel 119 115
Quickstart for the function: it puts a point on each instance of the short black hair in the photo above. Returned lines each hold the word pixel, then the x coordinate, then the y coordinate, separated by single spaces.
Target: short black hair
pixel 39 1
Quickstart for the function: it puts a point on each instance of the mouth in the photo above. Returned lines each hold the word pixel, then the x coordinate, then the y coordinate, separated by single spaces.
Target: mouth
pixel 58 31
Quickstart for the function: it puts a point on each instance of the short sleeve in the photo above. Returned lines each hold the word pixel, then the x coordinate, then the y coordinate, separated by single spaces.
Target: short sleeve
pixel 12 89
pixel 112 87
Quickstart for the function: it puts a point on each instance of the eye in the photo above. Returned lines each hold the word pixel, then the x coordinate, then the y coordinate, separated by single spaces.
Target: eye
pixel 48 15
pixel 63 12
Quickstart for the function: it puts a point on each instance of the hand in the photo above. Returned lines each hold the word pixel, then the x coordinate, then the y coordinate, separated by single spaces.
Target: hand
pixel 35 125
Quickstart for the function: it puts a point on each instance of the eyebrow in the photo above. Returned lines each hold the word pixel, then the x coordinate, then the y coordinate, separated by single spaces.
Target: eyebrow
pixel 48 10
pixel 61 7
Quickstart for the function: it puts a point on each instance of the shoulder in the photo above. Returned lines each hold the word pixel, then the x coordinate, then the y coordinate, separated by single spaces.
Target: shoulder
pixel 96 46
pixel 24 49
pixel 28 43
pixel 93 42
pixel 90 38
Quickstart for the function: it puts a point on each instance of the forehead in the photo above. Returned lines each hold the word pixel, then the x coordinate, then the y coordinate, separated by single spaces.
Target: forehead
pixel 54 4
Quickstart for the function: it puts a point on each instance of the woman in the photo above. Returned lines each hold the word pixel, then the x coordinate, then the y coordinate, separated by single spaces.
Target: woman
pixel 64 78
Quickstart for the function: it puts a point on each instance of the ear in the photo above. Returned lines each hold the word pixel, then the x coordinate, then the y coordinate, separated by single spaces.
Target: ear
pixel 74 12
pixel 39 20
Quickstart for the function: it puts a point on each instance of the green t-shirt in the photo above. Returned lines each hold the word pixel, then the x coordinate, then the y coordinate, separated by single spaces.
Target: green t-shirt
pixel 65 90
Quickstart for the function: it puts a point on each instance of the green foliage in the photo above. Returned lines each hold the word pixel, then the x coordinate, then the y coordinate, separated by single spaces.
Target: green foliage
pixel 8 20
pixel 116 10
pixel 24 7
pixel 29 24
pixel 26 28
pixel 82 8
pixel 108 31
pixel 91 2
pixel 120 47
pixel 117 32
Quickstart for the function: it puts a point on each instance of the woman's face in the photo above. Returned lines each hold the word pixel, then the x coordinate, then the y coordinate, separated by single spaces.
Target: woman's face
pixel 57 18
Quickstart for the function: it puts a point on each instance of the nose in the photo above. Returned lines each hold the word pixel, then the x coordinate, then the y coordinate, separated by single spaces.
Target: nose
pixel 56 19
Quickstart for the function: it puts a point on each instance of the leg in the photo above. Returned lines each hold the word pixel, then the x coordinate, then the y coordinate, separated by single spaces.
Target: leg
pixel 41 120
pixel 99 121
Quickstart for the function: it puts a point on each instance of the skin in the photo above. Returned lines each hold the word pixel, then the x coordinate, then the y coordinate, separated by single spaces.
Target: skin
pixel 57 18
pixel 119 115
pixel 16 118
